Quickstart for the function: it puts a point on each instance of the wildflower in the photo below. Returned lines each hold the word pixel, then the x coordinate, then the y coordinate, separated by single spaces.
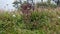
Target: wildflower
pixel 14 15
pixel 58 17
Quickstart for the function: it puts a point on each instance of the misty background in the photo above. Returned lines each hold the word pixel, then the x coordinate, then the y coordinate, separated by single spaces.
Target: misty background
pixel 7 4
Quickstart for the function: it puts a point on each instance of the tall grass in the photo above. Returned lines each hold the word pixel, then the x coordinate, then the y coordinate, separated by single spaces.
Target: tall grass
pixel 39 22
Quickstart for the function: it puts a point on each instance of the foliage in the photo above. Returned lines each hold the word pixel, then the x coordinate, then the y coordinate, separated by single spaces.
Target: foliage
pixel 39 22
pixel 46 4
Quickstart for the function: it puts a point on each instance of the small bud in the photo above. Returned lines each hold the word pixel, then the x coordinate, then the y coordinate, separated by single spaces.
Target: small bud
pixel 58 17
pixel 14 15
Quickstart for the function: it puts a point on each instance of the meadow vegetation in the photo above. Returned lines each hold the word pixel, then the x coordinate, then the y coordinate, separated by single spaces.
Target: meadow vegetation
pixel 46 21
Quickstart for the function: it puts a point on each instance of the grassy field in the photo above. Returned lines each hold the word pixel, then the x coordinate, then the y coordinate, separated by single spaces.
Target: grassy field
pixel 46 21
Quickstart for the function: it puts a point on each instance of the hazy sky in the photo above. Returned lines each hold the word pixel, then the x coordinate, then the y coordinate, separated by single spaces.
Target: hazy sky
pixel 4 3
